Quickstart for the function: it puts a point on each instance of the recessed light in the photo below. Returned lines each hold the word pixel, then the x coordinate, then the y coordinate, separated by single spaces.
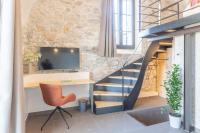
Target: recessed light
pixel 71 50
pixel 55 50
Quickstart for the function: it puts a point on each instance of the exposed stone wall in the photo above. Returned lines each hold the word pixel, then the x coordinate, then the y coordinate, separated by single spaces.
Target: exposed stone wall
pixel 70 23
pixel 150 79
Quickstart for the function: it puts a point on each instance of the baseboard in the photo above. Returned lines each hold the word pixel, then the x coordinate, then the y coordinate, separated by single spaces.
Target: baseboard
pixel 49 111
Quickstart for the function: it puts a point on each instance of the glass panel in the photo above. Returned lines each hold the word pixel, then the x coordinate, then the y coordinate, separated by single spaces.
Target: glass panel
pixel 124 38
pixel 116 6
pixel 129 23
pixel 116 21
pixel 129 7
pixel 124 22
pixel 117 37
pixel 124 6
pixel 129 38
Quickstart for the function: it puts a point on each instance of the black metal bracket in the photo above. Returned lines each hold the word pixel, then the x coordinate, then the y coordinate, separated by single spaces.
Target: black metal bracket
pixel 60 109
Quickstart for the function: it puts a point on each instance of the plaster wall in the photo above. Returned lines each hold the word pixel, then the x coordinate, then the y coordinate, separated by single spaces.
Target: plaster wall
pixel 197 84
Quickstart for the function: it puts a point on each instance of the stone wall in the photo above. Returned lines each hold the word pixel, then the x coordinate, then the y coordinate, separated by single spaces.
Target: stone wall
pixel 150 79
pixel 69 23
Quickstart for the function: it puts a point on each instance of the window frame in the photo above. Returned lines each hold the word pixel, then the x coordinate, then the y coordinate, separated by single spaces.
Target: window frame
pixel 120 45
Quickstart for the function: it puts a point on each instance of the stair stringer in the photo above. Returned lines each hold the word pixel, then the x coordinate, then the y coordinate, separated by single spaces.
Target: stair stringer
pixel 130 101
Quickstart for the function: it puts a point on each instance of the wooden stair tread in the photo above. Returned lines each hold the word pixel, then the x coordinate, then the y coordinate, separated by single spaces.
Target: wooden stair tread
pixel 106 93
pixel 125 77
pixel 148 94
pixel 165 43
pixel 137 63
pixel 131 70
pixel 104 104
pixel 153 57
pixel 113 85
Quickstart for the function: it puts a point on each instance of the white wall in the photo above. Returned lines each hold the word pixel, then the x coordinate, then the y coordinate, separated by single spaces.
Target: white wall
pixel 178 52
pixel 178 56
pixel 197 82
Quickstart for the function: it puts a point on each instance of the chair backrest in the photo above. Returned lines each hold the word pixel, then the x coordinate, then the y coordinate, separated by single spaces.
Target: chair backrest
pixel 51 93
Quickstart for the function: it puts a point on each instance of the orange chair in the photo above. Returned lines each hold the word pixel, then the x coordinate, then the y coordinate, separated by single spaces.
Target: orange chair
pixel 52 95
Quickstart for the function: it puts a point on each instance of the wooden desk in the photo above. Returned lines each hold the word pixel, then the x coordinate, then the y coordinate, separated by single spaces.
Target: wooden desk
pixel 78 83
pixel 35 86
pixel 32 85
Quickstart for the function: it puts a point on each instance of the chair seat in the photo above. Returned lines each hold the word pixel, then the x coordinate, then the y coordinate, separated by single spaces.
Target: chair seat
pixel 64 100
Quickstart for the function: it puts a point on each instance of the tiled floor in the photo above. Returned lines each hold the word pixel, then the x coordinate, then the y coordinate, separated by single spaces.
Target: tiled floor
pixel 87 122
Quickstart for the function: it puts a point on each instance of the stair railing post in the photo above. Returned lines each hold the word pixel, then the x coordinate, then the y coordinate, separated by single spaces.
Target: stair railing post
pixel 122 72
pixel 159 13
pixel 140 15
pixel 178 10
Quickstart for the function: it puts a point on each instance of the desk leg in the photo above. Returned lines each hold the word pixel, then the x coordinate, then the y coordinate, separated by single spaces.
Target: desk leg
pixel 91 96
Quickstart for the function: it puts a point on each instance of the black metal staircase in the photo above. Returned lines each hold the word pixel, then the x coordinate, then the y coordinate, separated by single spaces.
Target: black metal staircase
pixel 120 90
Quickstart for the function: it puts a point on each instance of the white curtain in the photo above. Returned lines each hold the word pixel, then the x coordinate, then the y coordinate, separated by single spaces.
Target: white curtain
pixel 107 46
pixel 11 77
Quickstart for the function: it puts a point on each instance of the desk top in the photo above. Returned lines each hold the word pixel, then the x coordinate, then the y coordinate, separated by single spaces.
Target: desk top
pixel 31 85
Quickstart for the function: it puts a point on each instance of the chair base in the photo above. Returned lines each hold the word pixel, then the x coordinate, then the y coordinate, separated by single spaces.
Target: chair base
pixel 60 110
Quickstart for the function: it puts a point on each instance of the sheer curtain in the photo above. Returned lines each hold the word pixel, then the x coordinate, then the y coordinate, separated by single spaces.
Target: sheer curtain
pixel 107 46
pixel 11 76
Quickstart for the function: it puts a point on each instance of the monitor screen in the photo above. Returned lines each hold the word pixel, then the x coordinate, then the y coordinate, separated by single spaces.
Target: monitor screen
pixel 59 58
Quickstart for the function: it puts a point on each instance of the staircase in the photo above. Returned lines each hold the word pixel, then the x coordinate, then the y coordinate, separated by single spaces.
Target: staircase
pixel 120 90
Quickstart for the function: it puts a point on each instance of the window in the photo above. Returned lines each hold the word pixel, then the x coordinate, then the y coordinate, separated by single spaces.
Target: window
pixel 124 23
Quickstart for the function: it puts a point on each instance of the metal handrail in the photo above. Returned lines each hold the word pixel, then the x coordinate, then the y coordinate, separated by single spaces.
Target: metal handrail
pixel 156 22
pixel 152 4
pixel 150 7
pixel 165 8
pixel 143 24
pixel 126 63
pixel 146 14
pixel 189 9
